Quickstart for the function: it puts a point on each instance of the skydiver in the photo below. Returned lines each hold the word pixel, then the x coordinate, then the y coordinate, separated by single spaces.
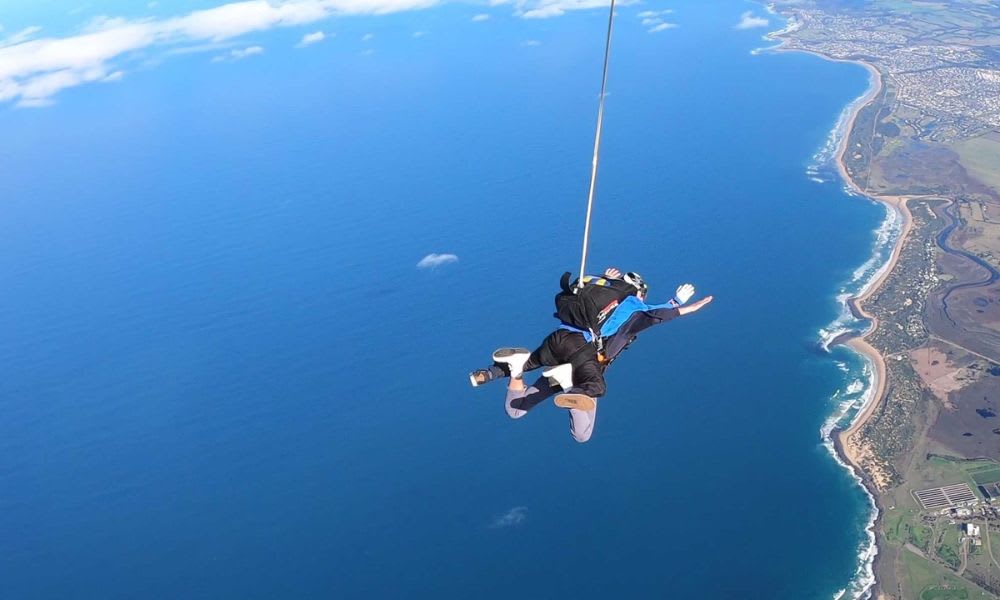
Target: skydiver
pixel 577 358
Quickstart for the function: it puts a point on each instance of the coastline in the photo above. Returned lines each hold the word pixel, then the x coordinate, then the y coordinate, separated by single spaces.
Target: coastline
pixel 847 451
pixel 858 343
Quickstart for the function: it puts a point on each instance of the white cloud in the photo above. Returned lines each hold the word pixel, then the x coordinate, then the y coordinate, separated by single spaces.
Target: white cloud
pixel 248 52
pixel 312 38
pixel 436 260
pixel 20 36
pixel 197 49
pixel 481 17
pixel 511 518
pixel 35 103
pixel 544 9
pixel 531 43
pixel 368 37
pixel 239 54
pixel 749 21
pixel 116 76
pixel 653 20
pixel 419 34
pixel 662 27
pixel 35 70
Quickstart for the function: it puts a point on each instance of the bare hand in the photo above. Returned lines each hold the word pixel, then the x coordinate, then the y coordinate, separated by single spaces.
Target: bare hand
pixel 613 273
pixel 694 306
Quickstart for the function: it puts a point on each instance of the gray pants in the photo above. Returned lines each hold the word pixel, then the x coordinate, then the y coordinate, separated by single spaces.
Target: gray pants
pixel 519 402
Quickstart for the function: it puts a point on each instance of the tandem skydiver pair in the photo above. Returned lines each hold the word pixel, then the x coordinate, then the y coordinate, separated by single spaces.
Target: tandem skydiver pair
pixel 599 317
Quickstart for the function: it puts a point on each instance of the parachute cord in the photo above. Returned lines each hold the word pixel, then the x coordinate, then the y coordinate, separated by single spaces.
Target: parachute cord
pixel 597 146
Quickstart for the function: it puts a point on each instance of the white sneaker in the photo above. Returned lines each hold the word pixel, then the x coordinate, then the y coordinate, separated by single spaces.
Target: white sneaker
pixel 561 375
pixel 577 401
pixel 514 358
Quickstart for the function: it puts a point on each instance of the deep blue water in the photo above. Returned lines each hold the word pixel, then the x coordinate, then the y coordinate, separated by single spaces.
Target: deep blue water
pixel 222 375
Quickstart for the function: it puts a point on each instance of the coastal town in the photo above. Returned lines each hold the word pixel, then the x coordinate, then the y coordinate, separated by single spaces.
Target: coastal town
pixel 939 68
pixel 925 140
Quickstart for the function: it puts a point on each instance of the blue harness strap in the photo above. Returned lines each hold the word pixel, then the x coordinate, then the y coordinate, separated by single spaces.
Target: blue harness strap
pixel 586 334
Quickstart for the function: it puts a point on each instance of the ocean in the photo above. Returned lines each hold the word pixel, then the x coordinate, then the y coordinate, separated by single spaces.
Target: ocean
pixel 222 374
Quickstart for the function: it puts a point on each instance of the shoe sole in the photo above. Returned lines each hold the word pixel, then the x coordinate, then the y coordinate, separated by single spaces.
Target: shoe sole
pixel 472 380
pixel 577 401
pixel 509 352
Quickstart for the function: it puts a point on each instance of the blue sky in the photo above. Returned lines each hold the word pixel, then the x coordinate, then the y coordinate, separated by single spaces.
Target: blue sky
pixel 48 46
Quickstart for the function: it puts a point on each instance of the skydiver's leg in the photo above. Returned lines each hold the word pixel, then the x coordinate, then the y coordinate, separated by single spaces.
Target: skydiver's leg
pixel 491 373
pixel 500 370
pixel 504 361
pixel 522 398
pixel 538 358
pixel 557 348
pixel 588 379
pixel 581 423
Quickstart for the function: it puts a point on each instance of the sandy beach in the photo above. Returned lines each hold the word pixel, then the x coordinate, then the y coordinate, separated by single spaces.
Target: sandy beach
pixel 873 91
pixel 850 449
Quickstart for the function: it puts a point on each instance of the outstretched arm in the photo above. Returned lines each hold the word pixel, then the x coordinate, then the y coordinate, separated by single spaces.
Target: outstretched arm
pixel 694 306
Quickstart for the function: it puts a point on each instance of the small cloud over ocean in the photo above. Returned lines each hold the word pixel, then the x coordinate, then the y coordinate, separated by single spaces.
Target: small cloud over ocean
pixel 312 38
pixel 654 22
pixel 511 518
pixel 432 261
pixel 749 21
pixel 239 54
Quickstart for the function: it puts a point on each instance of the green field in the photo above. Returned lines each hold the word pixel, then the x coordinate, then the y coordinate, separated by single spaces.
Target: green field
pixel 902 526
pixel 986 475
pixel 927 581
pixel 942 593
pixel 893 526
pixel 920 536
pixel 943 470
pixel 951 546
pixel 981 158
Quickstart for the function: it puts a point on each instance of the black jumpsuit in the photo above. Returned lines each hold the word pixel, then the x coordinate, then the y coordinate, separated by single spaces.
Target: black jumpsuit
pixel 563 346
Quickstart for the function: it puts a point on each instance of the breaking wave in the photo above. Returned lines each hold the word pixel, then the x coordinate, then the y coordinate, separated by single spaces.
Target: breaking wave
pixel 859 385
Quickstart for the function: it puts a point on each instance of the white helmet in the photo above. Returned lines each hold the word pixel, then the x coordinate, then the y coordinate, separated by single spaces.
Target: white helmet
pixel 637 282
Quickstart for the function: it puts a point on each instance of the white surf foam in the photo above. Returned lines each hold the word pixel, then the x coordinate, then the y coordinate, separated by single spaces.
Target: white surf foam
pixel 846 411
pixel 859 389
